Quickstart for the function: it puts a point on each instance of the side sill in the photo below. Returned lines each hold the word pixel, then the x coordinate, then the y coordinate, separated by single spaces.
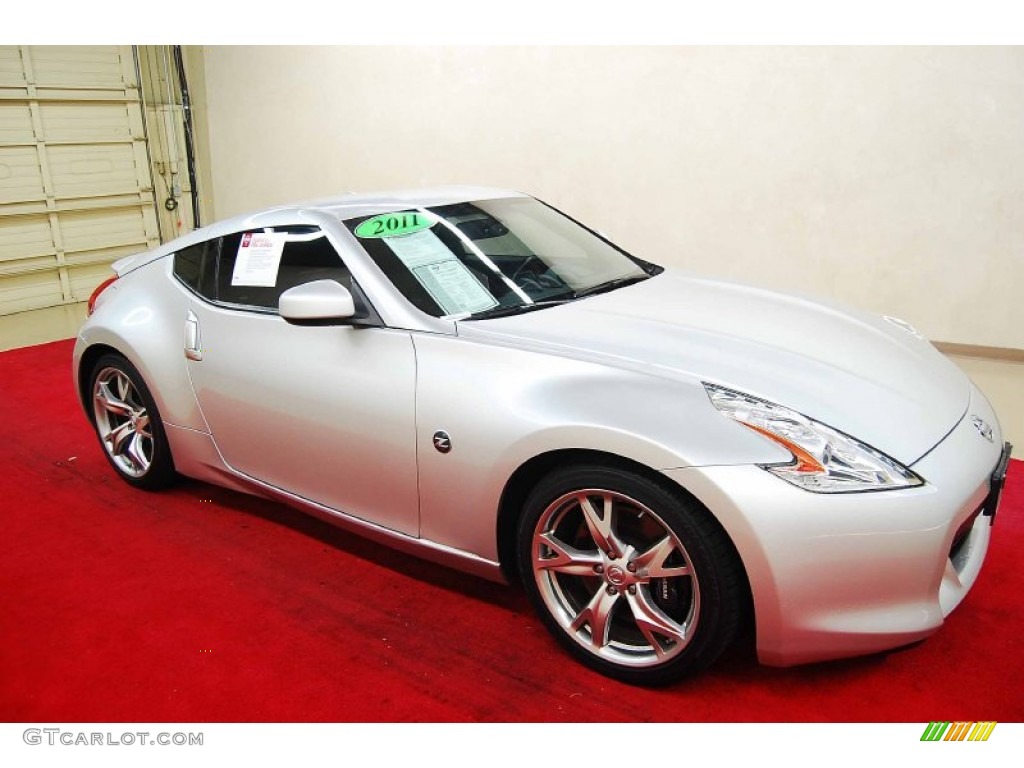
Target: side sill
pixel 441 554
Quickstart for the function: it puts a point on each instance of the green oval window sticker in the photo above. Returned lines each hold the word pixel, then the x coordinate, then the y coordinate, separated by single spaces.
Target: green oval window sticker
pixel 392 224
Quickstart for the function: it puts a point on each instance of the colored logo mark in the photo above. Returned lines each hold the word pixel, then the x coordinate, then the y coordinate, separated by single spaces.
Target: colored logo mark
pixel 946 731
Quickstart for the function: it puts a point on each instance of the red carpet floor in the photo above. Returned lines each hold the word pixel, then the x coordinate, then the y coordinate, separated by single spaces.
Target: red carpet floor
pixel 202 605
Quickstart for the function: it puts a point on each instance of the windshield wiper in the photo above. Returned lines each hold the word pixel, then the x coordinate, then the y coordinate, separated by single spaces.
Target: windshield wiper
pixel 516 309
pixel 609 285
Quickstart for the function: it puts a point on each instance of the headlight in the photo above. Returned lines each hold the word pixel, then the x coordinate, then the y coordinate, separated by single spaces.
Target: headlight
pixel 824 459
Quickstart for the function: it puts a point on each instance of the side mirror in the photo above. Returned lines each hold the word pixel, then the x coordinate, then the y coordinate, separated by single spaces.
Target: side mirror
pixel 317 303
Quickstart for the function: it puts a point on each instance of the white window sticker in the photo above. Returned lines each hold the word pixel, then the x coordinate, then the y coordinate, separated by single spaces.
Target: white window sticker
pixel 258 259
pixel 419 248
pixel 439 271
pixel 453 287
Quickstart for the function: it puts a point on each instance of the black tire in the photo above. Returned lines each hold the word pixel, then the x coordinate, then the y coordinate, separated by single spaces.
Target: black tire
pixel 128 424
pixel 667 593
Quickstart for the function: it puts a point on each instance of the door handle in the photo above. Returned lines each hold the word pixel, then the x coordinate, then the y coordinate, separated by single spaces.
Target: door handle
pixel 193 343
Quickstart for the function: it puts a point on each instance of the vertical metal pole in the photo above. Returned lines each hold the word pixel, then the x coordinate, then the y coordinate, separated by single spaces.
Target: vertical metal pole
pixel 186 105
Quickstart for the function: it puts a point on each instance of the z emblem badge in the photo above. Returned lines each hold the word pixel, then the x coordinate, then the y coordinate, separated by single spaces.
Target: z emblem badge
pixel 983 428
pixel 443 443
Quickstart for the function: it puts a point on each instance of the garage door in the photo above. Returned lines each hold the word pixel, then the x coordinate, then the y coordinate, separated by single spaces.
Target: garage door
pixel 75 185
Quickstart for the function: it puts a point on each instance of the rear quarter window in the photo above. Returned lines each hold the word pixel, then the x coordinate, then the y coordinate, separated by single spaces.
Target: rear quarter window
pixel 196 267
pixel 188 265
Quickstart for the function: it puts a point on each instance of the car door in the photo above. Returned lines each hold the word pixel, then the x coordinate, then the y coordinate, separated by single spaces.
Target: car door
pixel 323 412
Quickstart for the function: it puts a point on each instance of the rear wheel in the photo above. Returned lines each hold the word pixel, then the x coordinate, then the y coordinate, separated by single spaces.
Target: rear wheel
pixel 128 424
pixel 632 577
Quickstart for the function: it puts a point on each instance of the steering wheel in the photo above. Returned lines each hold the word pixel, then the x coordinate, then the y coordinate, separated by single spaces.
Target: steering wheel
pixel 522 266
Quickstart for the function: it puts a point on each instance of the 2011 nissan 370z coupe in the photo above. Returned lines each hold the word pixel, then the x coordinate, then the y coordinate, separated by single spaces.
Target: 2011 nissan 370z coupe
pixel 472 376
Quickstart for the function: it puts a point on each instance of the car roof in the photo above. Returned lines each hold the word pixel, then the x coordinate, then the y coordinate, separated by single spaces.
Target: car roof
pixel 354 204
pixel 347 206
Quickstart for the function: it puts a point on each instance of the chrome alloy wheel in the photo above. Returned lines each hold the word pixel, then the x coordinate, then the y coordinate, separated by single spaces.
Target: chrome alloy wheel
pixel 122 422
pixel 615 577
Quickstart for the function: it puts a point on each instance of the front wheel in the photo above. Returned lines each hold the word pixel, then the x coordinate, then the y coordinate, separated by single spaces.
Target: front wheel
pixel 128 424
pixel 631 576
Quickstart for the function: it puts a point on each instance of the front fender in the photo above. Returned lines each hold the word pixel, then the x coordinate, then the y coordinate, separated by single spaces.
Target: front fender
pixel 502 406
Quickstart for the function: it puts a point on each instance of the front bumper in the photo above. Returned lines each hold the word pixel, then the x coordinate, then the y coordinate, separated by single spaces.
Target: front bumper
pixel 836 575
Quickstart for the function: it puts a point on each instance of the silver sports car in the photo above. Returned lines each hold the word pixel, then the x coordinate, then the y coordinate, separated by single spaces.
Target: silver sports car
pixel 474 377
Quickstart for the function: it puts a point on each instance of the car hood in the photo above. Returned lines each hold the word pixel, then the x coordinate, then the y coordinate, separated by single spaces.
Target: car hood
pixel 862 374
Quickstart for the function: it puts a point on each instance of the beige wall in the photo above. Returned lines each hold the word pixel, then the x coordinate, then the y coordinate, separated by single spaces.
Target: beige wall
pixel 888 178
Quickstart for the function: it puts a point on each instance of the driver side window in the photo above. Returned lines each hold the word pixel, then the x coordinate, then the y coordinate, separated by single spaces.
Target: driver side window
pixel 208 268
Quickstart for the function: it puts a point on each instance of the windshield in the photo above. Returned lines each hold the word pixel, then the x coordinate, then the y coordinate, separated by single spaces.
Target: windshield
pixel 492 257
